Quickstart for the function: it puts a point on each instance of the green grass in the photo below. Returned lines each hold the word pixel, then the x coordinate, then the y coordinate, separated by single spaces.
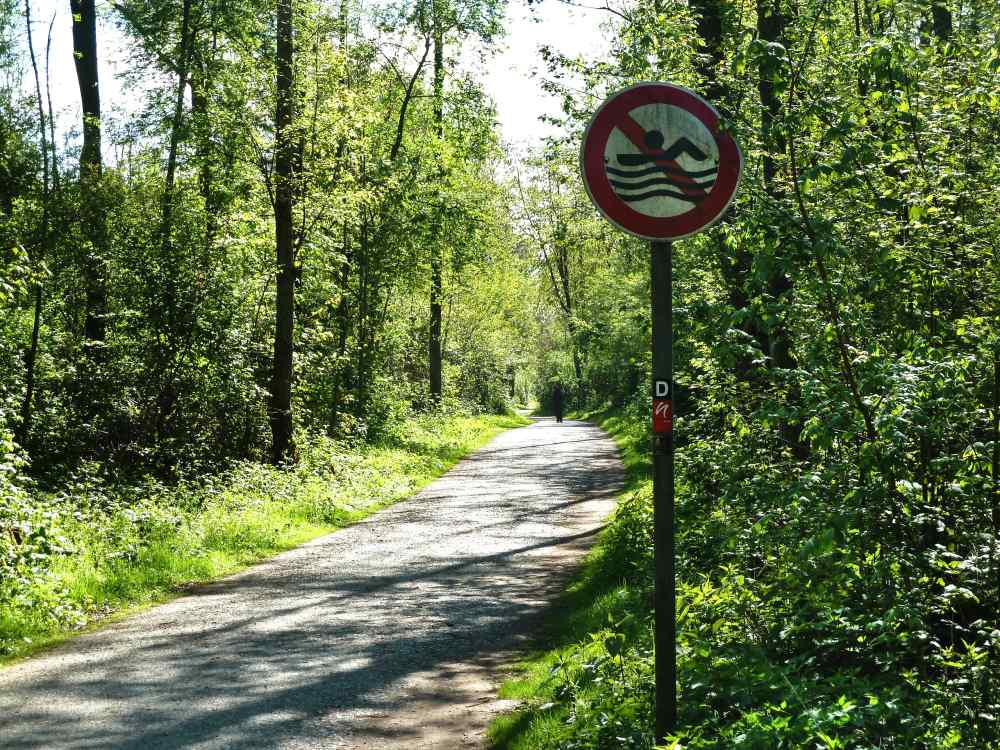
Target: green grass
pixel 598 600
pixel 114 550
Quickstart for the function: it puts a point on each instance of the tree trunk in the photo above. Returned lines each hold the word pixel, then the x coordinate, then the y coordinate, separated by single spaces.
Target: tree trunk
pixel 770 28
pixel 93 215
pixel 6 178
pixel 206 181
pixel 708 24
pixel 735 263
pixel 31 355
pixel 776 340
pixel 437 283
pixel 30 359
pixel 342 373
pixel 48 94
pixel 941 20
pixel 994 493
pixel 166 350
pixel 282 445
pixel 201 82
pixel 366 322
pixel 166 226
pixel 562 263
pixel 995 463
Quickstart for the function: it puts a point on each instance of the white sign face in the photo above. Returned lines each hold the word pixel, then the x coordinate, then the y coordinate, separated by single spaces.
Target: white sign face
pixel 663 179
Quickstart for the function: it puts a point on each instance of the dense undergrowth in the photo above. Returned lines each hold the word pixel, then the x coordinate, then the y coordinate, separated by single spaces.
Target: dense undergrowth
pixel 836 352
pixel 795 628
pixel 73 557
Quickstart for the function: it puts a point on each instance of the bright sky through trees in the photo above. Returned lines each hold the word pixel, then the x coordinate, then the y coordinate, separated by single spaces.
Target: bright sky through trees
pixel 512 75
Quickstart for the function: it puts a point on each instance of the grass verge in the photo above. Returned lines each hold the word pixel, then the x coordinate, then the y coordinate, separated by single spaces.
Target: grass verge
pixel 595 611
pixel 97 551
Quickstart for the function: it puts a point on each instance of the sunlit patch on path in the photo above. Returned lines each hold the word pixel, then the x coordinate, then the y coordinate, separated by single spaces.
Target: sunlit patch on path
pixel 388 634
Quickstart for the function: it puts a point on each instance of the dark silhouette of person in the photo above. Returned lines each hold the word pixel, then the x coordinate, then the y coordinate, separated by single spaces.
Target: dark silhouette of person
pixel 557 401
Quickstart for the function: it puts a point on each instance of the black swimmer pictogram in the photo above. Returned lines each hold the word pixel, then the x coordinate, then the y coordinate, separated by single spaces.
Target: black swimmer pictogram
pixel 666 177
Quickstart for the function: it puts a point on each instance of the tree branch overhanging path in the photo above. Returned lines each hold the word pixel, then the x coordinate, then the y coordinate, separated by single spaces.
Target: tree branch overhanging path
pixel 386 634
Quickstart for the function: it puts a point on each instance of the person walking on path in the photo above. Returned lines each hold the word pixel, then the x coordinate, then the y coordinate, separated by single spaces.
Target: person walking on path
pixel 557 401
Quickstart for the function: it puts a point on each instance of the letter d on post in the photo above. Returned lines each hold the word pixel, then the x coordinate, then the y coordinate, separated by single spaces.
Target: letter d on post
pixel 663 407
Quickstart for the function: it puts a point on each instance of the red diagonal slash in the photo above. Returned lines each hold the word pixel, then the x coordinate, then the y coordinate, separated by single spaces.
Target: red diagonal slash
pixel 637 134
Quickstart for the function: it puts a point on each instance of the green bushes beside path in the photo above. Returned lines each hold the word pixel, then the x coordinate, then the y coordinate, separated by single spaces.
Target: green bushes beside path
pixel 783 641
pixel 72 558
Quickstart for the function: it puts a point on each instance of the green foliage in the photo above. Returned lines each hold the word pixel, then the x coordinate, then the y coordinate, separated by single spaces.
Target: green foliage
pixel 180 382
pixel 838 383
pixel 790 635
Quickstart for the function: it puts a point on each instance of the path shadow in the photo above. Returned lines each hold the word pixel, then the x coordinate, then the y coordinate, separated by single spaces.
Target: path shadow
pixel 310 650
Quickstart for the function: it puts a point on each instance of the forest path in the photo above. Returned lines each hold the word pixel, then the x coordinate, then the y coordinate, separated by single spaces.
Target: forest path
pixel 389 634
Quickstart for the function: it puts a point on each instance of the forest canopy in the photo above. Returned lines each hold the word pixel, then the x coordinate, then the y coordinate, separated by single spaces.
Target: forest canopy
pixel 308 180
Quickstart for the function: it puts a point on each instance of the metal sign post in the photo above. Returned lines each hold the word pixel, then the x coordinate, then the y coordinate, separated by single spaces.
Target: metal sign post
pixel 661 268
pixel 657 164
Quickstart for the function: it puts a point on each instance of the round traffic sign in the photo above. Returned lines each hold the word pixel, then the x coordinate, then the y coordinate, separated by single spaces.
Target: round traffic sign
pixel 656 163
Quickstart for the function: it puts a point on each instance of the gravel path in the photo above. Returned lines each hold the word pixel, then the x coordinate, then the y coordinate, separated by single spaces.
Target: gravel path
pixel 388 634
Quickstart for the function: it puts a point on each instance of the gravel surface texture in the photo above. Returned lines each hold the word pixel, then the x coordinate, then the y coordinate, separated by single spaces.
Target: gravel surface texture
pixel 389 634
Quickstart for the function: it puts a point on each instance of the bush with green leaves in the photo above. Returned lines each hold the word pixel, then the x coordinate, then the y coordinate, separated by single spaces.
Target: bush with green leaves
pixel 801 623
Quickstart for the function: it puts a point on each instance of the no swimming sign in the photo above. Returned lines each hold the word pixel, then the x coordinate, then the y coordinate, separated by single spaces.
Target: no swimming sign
pixel 656 163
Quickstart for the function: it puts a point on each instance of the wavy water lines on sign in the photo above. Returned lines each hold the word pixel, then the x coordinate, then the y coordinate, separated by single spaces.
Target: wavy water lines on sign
pixel 657 172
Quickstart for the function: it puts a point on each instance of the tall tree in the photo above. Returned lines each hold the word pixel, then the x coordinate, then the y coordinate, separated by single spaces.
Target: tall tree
pixel 91 165
pixel 186 43
pixel 941 20
pixel 31 354
pixel 709 16
pixel 550 208
pixel 480 17
pixel 9 172
pixel 282 444
pixel 437 284
pixel 774 338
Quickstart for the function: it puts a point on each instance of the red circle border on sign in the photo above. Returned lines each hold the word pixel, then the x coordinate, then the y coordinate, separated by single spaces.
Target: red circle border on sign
pixel 619 213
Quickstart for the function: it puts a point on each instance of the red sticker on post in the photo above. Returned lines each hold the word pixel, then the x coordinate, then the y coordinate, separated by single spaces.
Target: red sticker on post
pixel 663 416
